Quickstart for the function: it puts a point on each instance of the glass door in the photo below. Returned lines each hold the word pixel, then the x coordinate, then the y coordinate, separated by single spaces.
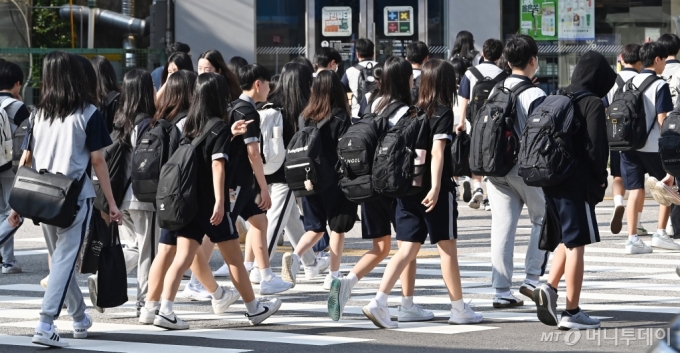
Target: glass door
pixel 337 25
pixel 396 24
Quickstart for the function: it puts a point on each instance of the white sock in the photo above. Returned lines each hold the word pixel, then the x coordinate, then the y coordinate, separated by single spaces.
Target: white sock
pixel 458 304
pixel 633 237
pixel 194 281
pixel 166 307
pixel 503 294
pixel 267 274
pixel 639 225
pixel 407 302
pixel 248 265
pixel 252 307
pixel 661 232
pixel 334 274
pixel 618 200
pixel 218 293
pixel 150 305
pixel 381 298
pixel 353 280
pixel 44 326
pixel 477 185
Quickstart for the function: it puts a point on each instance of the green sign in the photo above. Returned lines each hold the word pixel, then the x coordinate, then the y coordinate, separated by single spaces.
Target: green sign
pixel 538 19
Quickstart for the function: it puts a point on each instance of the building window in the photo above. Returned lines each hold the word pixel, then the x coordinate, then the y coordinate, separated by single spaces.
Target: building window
pixel 280 32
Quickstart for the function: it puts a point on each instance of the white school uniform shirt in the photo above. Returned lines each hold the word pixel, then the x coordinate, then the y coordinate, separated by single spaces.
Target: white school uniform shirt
pixel 626 74
pixel 672 75
pixel 351 78
pixel 394 118
pixel 468 82
pixel 650 102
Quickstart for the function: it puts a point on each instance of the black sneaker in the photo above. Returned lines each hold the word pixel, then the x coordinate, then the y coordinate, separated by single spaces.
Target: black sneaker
pixel 546 304
pixel 467 191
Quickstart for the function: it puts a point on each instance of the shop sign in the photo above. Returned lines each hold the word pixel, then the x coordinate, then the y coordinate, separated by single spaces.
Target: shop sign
pixel 336 21
pixel 398 20
pixel 577 19
pixel 538 19
pixel 558 19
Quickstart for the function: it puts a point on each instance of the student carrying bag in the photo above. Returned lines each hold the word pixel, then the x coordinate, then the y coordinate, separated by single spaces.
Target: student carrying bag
pixel 669 143
pixel 272 149
pixel 627 128
pixel 481 91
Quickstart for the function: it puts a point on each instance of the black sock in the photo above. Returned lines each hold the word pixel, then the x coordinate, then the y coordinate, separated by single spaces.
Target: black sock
pixel 573 312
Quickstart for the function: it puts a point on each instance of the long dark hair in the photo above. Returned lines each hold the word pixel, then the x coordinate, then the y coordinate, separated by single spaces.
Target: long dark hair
pixel 137 96
pixel 209 102
pixel 460 66
pixel 62 93
pixel 106 79
pixel 90 79
pixel 464 46
pixel 304 61
pixel 292 91
pixel 394 83
pixel 179 91
pixel 181 60
pixel 327 94
pixel 216 60
pixel 437 86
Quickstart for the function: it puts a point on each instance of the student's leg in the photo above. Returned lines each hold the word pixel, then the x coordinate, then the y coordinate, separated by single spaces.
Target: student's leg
pixel 633 174
pixel 128 239
pixel 573 278
pixel 395 267
pixel 231 253
pixel 159 267
pixel 250 255
pixel 557 266
pixel 372 258
pixel 200 268
pixel 448 251
pixel 408 278
pixel 337 247
pixel 294 232
pixel 664 214
pixel 278 213
pixel 636 198
pixel 307 242
pixel 477 193
pixel 535 260
pixel 257 234
pixel 147 233
pixel 6 231
pixel 184 256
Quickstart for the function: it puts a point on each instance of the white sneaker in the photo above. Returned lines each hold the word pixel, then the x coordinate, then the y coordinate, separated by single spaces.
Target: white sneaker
pixel 9 268
pixel 477 199
pixel 338 297
pixel 43 282
pixel 255 276
pixel 49 338
pixel 415 313
pixel 170 322
pixel 147 316
pixel 276 285
pixel 506 301
pixel 267 308
pixel 223 271
pixel 290 267
pixel 92 288
pixel 465 316
pixel 80 328
pixel 637 247
pixel 380 315
pixel 322 264
pixel 229 296
pixel 664 242
pixel 486 204
pixel 196 293
pixel 329 280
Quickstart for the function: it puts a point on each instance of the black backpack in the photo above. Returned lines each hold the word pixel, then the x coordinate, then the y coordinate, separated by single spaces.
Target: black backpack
pixel 17 141
pixel 112 103
pixel 415 91
pixel 394 162
pixel 669 143
pixel 307 169
pixel 494 145
pixel 481 91
pixel 460 154
pixel 547 155
pixel 627 128
pixel 177 199
pixel 367 82
pixel 356 150
pixel 153 150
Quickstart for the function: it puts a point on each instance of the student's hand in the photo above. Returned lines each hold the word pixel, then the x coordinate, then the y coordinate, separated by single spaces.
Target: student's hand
pixel 668 180
pixel 240 127
pixel 431 199
pixel 115 215
pixel 218 214
pixel 460 127
pixel 266 202
pixel 14 219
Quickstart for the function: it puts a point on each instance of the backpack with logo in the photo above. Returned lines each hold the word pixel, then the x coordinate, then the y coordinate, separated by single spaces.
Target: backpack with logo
pixel 6 141
pixel 669 143
pixel 272 148
pixel 356 150
pixel 494 144
pixel 481 91
pixel 152 151
pixel 627 128
pixel 366 81
pixel 307 169
pixel 177 198
pixel 394 170
pixel 547 155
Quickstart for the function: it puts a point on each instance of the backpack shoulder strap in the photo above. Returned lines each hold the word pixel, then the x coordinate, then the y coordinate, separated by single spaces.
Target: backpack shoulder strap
pixel 520 87
pixel 619 81
pixel 478 75
pixel 112 96
pixel 241 104
pixel 648 82
pixel 501 76
pixel 392 108
pixel 6 102
pixel 206 131
pixel 578 95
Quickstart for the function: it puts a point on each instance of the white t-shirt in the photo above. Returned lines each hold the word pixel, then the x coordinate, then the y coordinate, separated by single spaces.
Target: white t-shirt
pixel 351 78
pixel 672 75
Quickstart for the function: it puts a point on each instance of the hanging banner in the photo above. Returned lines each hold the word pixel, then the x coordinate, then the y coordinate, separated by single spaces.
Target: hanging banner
pixel 577 19
pixel 538 19
pixel 398 20
pixel 336 21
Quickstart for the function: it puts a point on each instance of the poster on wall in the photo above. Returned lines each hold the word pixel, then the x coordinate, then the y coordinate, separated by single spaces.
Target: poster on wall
pixel 577 19
pixel 558 19
pixel 336 21
pixel 538 19
pixel 398 20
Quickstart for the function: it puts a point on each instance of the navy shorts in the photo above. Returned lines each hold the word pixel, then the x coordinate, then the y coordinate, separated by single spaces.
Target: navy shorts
pixel 615 163
pixel 329 207
pixel 245 205
pixel 201 226
pixel 576 217
pixel 377 217
pixel 413 223
pixel 168 237
pixel 634 166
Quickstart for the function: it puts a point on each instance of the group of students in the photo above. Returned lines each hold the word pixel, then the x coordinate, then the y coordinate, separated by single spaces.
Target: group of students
pixel 82 111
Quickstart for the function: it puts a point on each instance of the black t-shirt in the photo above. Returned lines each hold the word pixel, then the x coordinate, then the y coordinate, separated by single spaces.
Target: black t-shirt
pixel 331 132
pixel 244 177
pixel 441 128
pixel 214 147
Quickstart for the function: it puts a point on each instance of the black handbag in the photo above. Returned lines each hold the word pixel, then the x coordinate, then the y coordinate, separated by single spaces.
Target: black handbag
pixel 92 246
pixel 460 154
pixel 45 197
pixel 551 232
pixel 112 275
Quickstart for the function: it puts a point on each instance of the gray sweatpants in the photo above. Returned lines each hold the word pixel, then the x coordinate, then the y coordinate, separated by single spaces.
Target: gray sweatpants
pixel 6 231
pixel 64 244
pixel 139 236
pixel 284 214
pixel 507 196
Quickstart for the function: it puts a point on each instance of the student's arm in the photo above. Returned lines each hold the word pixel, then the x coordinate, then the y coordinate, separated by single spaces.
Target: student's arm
pixel 258 170
pixel 218 185
pixel 437 165
pixel 463 112
pixel 598 151
pixel 102 172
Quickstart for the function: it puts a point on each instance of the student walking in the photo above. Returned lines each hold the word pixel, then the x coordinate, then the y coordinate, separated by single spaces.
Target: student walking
pixel 433 210
pixel 175 47
pixel 365 52
pixel 177 61
pixel 464 47
pixel 417 54
pixel 108 92
pixel 327 59
pixel 68 133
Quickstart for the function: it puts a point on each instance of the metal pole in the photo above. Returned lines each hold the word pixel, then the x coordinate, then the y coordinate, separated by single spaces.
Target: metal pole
pixel 90 24
pixel 81 28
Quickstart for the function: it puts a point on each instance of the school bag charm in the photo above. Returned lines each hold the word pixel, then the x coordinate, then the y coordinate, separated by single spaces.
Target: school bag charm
pixel 309 186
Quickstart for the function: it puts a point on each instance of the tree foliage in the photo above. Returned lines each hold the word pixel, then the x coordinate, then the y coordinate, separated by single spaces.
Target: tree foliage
pixel 49 31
